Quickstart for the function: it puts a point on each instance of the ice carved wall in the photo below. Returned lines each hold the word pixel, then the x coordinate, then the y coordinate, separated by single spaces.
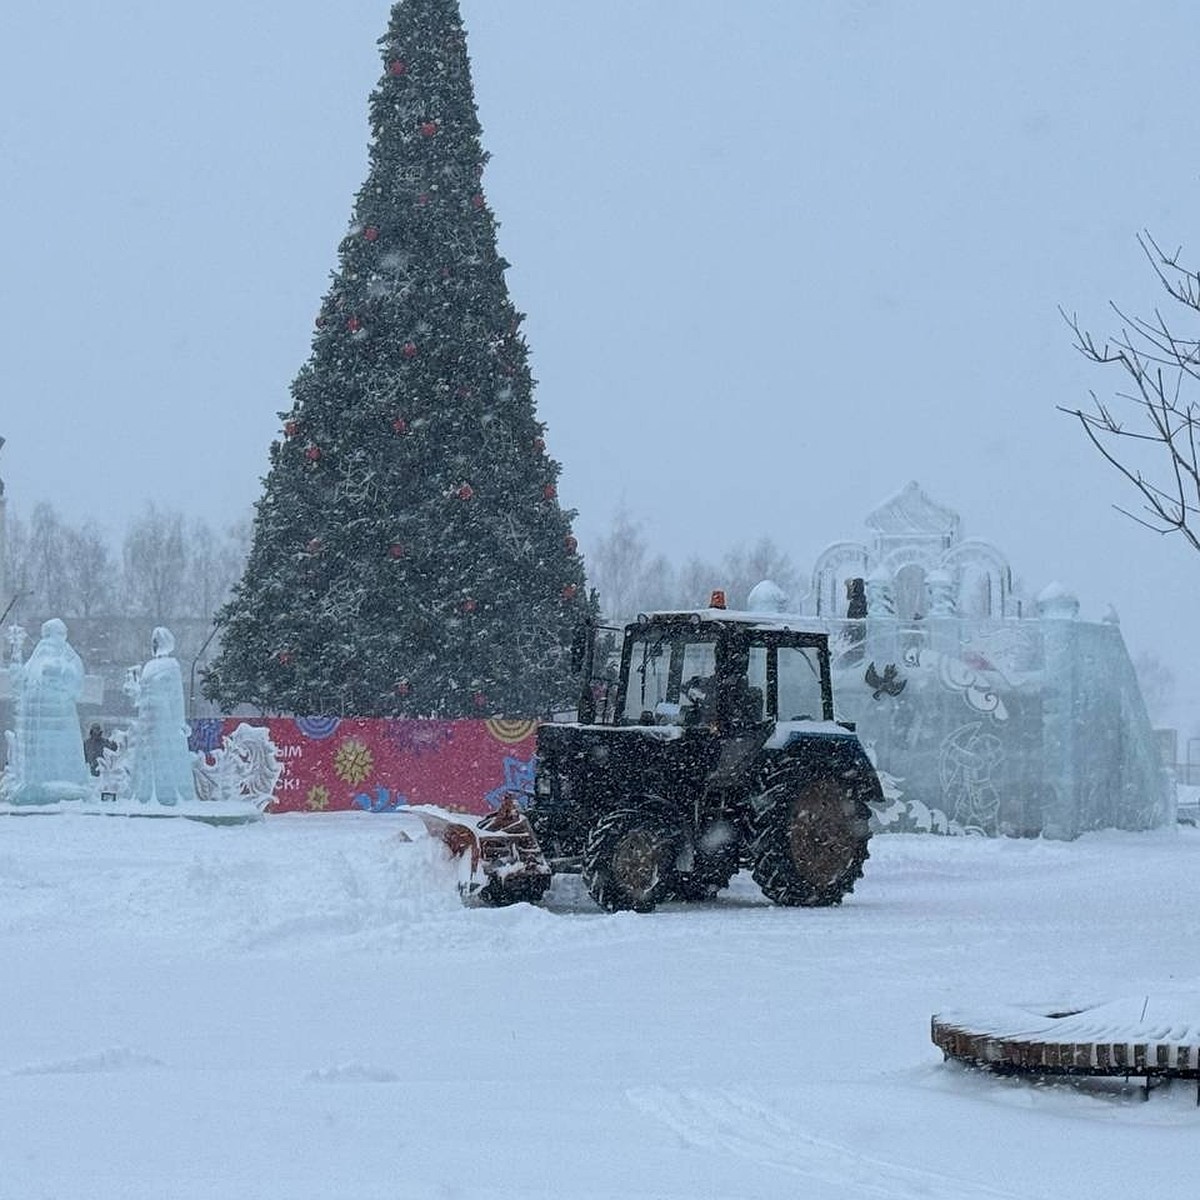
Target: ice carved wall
pixel 999 715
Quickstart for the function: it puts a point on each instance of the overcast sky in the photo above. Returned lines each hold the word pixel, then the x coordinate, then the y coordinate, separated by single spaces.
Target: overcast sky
pixel 778 257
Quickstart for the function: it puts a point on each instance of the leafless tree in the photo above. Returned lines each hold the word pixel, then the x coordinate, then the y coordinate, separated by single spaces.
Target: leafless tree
pixel 155 562
pixel 629 580
pixel 696 581
pixel 1155 446
pixel 214 565
pixel 45 575
pixel 747 565
pixel 16 555
pixel 89 570
pixel 617 567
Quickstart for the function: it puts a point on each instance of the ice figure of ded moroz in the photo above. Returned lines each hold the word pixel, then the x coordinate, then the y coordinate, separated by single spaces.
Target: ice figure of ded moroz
pixel 49 744
pixel 162 764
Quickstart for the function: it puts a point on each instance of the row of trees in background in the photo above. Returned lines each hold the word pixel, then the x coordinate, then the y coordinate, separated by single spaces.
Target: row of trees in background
pixel 630 578
pixel 166 566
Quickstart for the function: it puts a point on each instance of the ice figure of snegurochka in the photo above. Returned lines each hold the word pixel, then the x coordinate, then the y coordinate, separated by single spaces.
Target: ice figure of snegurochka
pixel 48 743
pixel 162 763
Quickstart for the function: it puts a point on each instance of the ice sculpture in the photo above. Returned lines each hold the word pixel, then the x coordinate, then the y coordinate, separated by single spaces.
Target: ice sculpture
pixel 244 770
pixel 46 749
pixel 161 770
pixel 990 712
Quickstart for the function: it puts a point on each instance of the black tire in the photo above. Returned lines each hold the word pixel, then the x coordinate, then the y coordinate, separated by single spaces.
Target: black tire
pixel 629 859
pixel 809 834
pixel 698 886
pixel 714 864
pixel 523 889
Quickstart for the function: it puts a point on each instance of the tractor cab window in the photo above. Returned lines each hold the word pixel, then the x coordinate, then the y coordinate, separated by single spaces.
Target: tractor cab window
pixel 699 661
pixel 756 676
pixel 662 666
pixel 799 684
pixel 649 673
pixel 727 688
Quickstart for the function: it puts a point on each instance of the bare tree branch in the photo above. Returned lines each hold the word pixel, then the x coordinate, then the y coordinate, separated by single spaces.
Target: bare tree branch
pixel 1154 446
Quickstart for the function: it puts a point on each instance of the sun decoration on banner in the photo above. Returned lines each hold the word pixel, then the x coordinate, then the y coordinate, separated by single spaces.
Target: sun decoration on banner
pixel 318 798
pixel 353 761
pixel 317 728
pixel 510 732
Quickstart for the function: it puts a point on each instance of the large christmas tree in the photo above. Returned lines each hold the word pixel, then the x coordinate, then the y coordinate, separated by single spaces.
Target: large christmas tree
pixel 410 556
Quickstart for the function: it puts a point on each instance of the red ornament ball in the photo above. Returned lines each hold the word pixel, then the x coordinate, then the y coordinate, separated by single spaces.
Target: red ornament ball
pixel 315 546
pixel 550 491
pixel 403 687
pixel 313 454
pixel 291 428
pixel 409 350
pixel 539 444
pixel 371 232
pixel 320 322
pixel 284 657
pixel 468 605
pixel 354 324
pixel 477 200
pixel 396 550
pixel 399 425
pixel 428 128
pixel 571 543
pixel 570 591
pixel 466 492
pixel 397 67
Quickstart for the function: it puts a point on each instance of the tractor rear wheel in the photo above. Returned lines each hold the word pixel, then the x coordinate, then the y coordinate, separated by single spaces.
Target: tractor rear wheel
pixel 809 834
pixel 629 859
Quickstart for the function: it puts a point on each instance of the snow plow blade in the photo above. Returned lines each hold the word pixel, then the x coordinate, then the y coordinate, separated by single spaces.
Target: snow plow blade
pixel 507 864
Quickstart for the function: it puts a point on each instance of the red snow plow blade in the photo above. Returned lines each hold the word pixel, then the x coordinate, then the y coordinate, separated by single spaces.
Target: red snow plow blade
pixel 507 864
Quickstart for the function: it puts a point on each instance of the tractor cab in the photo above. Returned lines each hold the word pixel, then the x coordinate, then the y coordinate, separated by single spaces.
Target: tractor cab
pixel 715 670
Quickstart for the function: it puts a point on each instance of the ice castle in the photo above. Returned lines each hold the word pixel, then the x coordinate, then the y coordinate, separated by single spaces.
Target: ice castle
pixel 984 712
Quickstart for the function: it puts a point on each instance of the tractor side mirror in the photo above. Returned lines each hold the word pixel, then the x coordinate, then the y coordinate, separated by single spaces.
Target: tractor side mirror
pixel 581 642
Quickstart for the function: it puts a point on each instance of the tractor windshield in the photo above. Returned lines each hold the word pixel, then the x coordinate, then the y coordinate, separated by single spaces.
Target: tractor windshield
pixel 695 674
pixel 662 663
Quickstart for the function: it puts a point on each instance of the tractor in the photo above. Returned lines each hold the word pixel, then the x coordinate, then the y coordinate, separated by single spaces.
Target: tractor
pixel 715 747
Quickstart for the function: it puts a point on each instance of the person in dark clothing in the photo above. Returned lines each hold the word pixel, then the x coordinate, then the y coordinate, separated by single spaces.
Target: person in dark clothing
pixel 726 696
pixel 94 746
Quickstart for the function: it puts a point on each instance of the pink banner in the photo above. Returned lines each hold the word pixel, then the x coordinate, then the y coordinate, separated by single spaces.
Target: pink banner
pixel 335 764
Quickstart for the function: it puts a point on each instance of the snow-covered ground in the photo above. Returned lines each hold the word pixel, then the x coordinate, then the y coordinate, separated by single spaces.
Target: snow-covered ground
pixel 303 1009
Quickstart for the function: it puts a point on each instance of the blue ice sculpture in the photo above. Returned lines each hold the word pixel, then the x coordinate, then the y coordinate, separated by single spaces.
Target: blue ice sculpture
pixel 48 764
pixel 162 764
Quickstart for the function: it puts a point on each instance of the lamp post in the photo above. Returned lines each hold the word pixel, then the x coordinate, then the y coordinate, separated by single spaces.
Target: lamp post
pixel 192 675
pixel 11 604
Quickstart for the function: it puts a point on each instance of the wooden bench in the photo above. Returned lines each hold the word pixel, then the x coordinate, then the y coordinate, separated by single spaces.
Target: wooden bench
pixel 1149 1037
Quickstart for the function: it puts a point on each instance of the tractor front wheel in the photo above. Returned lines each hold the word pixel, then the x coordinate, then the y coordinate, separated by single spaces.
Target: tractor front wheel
pixel 629 859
